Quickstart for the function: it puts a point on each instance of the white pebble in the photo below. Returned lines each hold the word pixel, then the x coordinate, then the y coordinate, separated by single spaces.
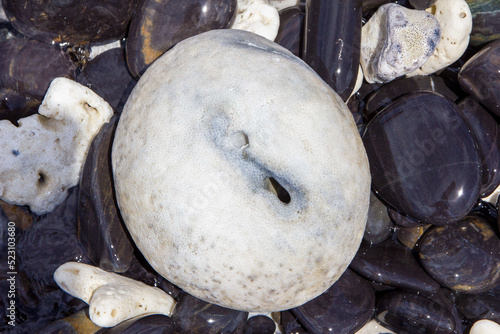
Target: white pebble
pixel 43 157
pixel 396 41
pixel 112 298
pixel 485 327
pixel 257 16
pixel 455 19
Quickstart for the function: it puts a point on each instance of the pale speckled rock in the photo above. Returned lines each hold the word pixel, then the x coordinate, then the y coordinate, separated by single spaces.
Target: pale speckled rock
pixel 282 4
pixel 485 327
pixel 455 19
pixel 257 16
pixel 373 327
pixel 396 41
pixel 112 298
pixel 208 218
pixel 43 157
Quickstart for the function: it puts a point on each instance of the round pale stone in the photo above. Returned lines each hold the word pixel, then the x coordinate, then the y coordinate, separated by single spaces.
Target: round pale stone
pixel 210 136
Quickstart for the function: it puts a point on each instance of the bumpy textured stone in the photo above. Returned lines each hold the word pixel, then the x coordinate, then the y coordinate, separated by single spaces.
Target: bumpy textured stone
pixel 254 202
pixel 43 157
pixel 423 158
pixel 396 41
pixel 455 19
pixel 257 16
pixel 464 256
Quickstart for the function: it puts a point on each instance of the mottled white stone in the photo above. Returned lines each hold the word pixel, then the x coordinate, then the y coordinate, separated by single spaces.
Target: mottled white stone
pixel 373 327
pixel 112 298
pixel 257 16
pixel 282 4
pixel 485 327
pixel 396 41
pixel 194 194
pixel 43 157
pixel 455 19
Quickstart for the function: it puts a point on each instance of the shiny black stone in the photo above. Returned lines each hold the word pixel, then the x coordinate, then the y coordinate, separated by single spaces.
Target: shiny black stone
pixel 480 78
pixel 485 305
pixel 153 324
pixel 423 159
pixel 14 105
pixel 422 4
pixel 291 30
pixel 332 37
pixel 101 231
pixel 290 324
pixel 108 76
pixel 393 90
pixel 158 25
pixel 391 264
pixel 487 133
pixel 403 220
pixel 344 308
pixel 72 21
pixel 192 315
pixel 463 256
pixel 407 312
pixel 260 324
pixel 28 66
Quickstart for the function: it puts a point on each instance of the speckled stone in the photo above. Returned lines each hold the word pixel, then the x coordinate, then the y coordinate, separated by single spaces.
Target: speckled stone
pixel 463 256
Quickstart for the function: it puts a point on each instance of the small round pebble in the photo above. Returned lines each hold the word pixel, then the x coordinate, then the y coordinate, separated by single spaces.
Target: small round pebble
pixel 485 327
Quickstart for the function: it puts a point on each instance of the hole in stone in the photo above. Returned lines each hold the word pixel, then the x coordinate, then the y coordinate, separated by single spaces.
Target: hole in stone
pixel 239 139
pixel 273 186
pixel 462 15
pixel 42 178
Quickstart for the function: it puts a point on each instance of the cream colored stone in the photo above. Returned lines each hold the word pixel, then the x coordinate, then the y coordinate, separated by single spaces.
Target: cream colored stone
pixel 193 192
pixel 455 19
pixel 112 298
pixel 96 50
pixel 396 41
pixel 43 157
pixel 485 327
pixel 257 16
pixel 282 4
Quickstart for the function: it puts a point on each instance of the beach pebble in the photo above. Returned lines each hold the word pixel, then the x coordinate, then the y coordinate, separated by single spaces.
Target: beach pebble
pixel 257 16
pixel 379 225
pixel 455 19
pixel 485 327
pixel 112 298
pixel 245 208
pixel 396 41
pixel 43 157
pixel 373 327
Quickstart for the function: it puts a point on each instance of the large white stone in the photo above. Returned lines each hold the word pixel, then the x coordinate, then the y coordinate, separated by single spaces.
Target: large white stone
pixel 112 298
pixel 257 16
pixel 200 137
pixel 396 41
pixel 485 327
pixel 455 19
pixel 43 157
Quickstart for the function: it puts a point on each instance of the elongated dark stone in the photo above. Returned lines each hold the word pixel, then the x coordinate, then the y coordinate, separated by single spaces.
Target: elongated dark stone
pixel 480 78
pixel 344 308
pixel 394 265
pixel 160 24
pixel 192 315
pixel 28 66
pixel 486 130
pixel 407 312
pixel 291 30
pixel 332 37
pixel 464 256
pixel 423 159
pixel 72 21
pixel 403 220
pixel 100 228
pixel 152 324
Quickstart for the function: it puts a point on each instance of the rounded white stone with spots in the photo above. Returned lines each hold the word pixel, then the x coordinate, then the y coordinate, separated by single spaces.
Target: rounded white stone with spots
pixel 396 41
pixel 112 298
pixel 455 19
pixel 240 174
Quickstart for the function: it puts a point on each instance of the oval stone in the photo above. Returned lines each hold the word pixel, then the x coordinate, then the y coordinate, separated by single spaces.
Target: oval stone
pixel 423 158
pixel 463 256
pixel 158 25
pixel 70 21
